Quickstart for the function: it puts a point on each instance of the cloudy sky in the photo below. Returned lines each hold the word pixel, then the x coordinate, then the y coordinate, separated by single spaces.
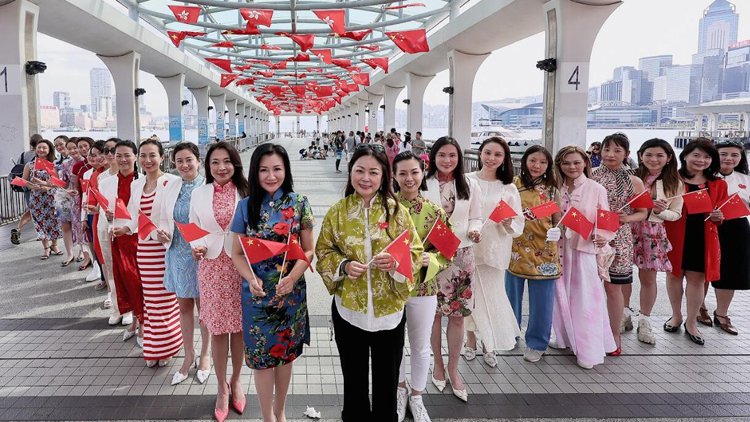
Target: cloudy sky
pixel 638 28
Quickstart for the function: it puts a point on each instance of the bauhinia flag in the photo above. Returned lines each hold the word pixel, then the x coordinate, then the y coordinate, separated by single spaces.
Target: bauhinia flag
pixel 257 16
pixel 334 18
pixel 186 14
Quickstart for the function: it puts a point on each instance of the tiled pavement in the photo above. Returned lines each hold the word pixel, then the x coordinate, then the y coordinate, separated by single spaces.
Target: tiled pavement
pixel 73 366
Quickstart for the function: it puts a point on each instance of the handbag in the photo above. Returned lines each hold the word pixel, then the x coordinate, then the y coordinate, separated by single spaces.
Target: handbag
pixel 17 171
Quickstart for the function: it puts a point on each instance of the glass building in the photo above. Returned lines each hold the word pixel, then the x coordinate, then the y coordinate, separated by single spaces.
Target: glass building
pixel 718 26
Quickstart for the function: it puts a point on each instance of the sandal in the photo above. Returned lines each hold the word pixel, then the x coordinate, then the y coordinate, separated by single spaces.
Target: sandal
pixel 46 254
pixel 84 266
pixel 704 318
pixel 726 325
pixel 671 328
pixel 15 237
pixel 66 263
pixel 57 251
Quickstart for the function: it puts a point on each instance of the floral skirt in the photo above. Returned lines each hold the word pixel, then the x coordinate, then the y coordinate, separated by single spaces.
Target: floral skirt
pixel 454 296
pixel 650 246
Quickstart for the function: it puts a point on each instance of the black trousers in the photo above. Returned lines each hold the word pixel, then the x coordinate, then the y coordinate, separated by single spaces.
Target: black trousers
pixel 355 348
pixel 338 162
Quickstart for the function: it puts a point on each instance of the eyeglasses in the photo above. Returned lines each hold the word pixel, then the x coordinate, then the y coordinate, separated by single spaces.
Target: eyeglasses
pixel 374 147
pixel 109 151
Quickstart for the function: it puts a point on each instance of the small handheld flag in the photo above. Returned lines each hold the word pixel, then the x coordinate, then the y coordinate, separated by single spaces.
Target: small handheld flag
pixel 576 221
pixel 57 182
pixel 257 250
pixel 443 239
pixel 145 226
pixel 400 250
pixel 501 212
pixel 191 231
pixel 698 202
pixel 295 251
pixel 121 210
pixel 641 200
pixel 607 220
pixel 19 181
pixel 545 210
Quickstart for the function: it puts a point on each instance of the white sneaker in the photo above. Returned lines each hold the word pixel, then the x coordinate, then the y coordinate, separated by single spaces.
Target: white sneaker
pixel 490 359
pixel 418 412
pixel 645 333
pixel 627 321
pixel 402 397
pixel 531 355
pixel 94 274
pixel 114 319
pixel 127 319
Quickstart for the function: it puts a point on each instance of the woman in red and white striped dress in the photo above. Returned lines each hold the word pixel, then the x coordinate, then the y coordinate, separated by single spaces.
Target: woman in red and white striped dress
pixel 162 337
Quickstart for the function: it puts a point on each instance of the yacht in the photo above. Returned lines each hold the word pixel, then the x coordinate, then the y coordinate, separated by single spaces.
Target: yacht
pixel 487 129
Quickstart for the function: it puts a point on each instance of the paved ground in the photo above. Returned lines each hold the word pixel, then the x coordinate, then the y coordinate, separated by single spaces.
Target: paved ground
pixel 59 360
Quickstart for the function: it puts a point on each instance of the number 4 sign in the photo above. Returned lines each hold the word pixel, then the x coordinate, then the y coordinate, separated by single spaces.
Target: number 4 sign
pixel 10 75
pixel 573 77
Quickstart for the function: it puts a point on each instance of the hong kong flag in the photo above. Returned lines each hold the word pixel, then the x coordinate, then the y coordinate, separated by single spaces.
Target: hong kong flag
pixel 324 54
pixel 443 239
pixel 257 16
pixel 121 210
pixel 295 251
pixel 698 202
pixel 301 57
pixel 381 62
pixel 228 78
pixel 334 18
pixel 734 207
pixel 186 14
pixel 305 42
pixel 545 210
pixel 223 44
pixel 400 250
pixel 501 212
pixel 414 41
pixel 191 231
pixel 607 220
pixel 576 221
pixel 257 250
pixel 225 64
pixel 361 78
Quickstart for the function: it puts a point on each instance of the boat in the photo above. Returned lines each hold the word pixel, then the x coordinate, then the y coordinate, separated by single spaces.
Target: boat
pixel 488 129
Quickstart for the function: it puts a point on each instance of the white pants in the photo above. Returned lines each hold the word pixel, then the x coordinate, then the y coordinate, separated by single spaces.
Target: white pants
pixel 420 313
pixel 106 245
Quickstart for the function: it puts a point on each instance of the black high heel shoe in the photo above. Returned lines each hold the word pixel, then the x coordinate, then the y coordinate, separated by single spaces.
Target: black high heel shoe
pixel 695 339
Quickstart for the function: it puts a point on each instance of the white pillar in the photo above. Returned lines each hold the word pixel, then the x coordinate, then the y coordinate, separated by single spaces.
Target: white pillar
pixel 745 123
pixel 390 94
pixel 698 122
pixel 241 119
pixel 571 29
pixel 348 115
pixel 232 117
pixel 252 123
pixel 299 128
pixel 19 93
pixel 415 87
pixel 713 122
pixel 124 70
pixel 173 85
pixel 455 9
pixel 462 69
pixel 362 116
pixel 219 102
pixel 201 103
pixel 372 121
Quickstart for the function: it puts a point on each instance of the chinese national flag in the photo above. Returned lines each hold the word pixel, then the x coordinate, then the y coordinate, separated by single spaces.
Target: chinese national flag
pixel 223 44
pixel 176 37
pixel 19 181
pixel 323 90
pixel 301 57
pixel 257 16
pixel 324 54
pixel 186 14
pixel 642 200
pixel 545 210
pixel 443 239
pixel 369 47
pixel 121 210
pixel 411 42
pixel 84 185
pixel 42 164
pixel 295 251
pixel 501 212
pixel 607 220
pixel 305 42
pixel 228 78
pixel 279 65
pixel 361 78
pixel 345 63
pixel 698 202
pixel 400 250
pixel 734 207
pixel 225 64
pixel 381 62
pixel 257 250
pixel 191 231
pixel 576 221
pixel 100 199
pixel 57 182
pixel 145 226
pixel 334 18
pixel 355 35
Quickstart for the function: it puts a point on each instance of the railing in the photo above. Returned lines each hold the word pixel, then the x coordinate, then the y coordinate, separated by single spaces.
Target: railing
pixel 471 159
pixel 714 134
pixel 241 144
pixel 12 204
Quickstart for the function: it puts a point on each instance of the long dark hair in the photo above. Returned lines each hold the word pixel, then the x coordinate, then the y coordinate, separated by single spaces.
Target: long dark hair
pixel 404 156
pixel 256 193
pixel 504 172
pixel 706 145
pixel 462 186
pixel 742 166
pixel 51 157
pixel 385 190
pixel 238 178
pixel 188 146
pixel 620 139
pixel 669 175
pixel 548 179
pixel 128 144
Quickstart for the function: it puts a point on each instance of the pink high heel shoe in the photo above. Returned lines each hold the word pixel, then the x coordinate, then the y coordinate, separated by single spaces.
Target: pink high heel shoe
pixel 221 415
pixel 239 407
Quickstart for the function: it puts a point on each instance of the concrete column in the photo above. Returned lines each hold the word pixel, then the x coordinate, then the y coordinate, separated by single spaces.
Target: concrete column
pixel 390 94
pixel 455 9
pixel 219 102
pixel 278 126
pixel 362 117
pixel 571 29
pixel 713 122
pixel 173 86
pixel 299 127
pixel 231 117
pixel 19 92
pixel 698 122
pixel 317 123
pixel 372 118
pixel 252 128
pixel 124 70
pixel 241 119
pixel 201 102
pixel 745 122
pixel 415 87
pixel 462 69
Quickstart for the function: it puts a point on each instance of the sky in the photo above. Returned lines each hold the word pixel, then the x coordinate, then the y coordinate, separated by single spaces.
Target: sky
pixel 638 28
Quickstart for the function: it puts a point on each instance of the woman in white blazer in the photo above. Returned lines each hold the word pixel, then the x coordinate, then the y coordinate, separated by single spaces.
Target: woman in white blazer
pixel 181 269
pixel 212 208
pixel 460 197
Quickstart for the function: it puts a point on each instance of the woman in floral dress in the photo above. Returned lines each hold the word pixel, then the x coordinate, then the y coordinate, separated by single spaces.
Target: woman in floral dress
pixel 42 202
pixel 68 202
pixel 274 303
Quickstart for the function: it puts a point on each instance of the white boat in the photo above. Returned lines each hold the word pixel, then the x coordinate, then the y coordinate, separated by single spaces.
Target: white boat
pixel 487 129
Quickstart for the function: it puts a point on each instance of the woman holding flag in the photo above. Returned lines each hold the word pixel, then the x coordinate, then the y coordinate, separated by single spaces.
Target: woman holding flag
pixel 368 251
pixel 580 317
pixel 502 218
pixel 42 203
pixel 274 295
pixel 696 253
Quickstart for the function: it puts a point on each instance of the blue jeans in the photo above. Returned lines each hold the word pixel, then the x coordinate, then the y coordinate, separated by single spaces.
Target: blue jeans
pixel 541 302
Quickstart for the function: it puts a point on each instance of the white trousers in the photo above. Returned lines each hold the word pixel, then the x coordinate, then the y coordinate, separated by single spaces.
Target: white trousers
pixel 106 244
pixel 420 313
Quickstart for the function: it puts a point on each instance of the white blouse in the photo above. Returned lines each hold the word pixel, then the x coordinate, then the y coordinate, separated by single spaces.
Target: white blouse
pixel 738 183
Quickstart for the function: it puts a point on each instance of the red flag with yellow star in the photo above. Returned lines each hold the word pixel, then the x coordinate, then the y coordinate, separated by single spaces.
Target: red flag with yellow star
pixel 698 202
pixel 443 239
pixel 257 250
pixel 501 212
pixel 411 42
pixel 400 250
pixel 607 220
pixel 576 221
pixel 225 64
pixel 295 251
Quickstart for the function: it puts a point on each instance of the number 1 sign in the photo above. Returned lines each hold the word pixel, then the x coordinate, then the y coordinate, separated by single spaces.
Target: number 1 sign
pixel 573 77
pixel 9 79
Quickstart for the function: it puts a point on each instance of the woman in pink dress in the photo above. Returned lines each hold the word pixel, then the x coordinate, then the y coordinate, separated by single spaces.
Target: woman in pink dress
pixel 212 208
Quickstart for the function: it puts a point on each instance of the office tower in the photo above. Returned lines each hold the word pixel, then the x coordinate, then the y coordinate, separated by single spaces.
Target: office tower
pixel 61 99
pixel 636 89
pixel 718 26
pixel 677 84
pixel 611 91
pixel 101 85
pixel 660 90
pixel 706 76
pixel 737 70
pixel 654 66
pixel 594 95
pixel 622 73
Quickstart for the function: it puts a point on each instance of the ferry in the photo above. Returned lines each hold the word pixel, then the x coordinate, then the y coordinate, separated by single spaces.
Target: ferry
pixel 487 129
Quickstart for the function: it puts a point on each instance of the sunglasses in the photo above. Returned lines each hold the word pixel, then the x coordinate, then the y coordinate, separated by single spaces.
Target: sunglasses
pixel 109 151
pixel 374 147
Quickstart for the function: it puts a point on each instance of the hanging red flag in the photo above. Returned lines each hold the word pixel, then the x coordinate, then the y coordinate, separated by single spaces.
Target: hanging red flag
pixel 228 78
pixel 176 37
pixel 301 75
pixel 145 225
pixel 314 70
pixel 121 210
pixel 734 207
pixel 270 47
pixel 191 231
pixel 641 200
pixel 295 251
pixel 361 78
pixel 57 182
pixel 305 42
pixel 263 62
pixel 223 44
pixel 353 35
pixel 545 210
pixel 405 6
pixel 576 221
pixel 246 81
pixel 342 62
pixel 225 64
pixel 249 29
pixel 19 181
pixel 279 65
pixel 369 47
pixel 323 90
pixel 257 16
pixel 412 42
pixel 324 54
pixel 400 250
pixel 334 18
pixel 698 202
pixel 186 14
pixel 381 62
pixel 502 211
pixel 443 239
pixel 266 74
pixel 301 57
pixel 299 90
pixel 607 220
pixel 257 250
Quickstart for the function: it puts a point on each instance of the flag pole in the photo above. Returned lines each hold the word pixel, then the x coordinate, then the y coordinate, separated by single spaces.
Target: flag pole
pixel 686 193
pixel 631 201
pixel 288 239
pixel 244 253
pixel 722 205
pixel 562 218
pixel 389 245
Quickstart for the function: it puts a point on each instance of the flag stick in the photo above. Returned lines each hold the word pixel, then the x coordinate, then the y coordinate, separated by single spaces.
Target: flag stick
pixel 721 206
pixel 288 239
pixel 250 266
pixel 631 201
pixel 389 245
pixel 563 217
pixel 686 193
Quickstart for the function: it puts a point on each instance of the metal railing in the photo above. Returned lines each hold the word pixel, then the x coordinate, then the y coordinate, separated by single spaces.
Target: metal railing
pixel 241 144
pixel 12 203
pixel 714 134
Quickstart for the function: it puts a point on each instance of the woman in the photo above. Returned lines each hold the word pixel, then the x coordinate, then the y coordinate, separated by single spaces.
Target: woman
pixel 181 270
pixel 96 161
pixel 408 172
pixel 658 171
pixel 406 145
pixel 534 255
pixel 733 235
pixel 68 202
pixel 391 148
pixel 60 143
pixel 696 253
pixel 369 290
pixel 460 197
pixel 212 208
pixel 81 167
pixel 580 317
pixel 621 186
pixel 274 311
pixel 42 202
pixel 493 316
pixel 595 154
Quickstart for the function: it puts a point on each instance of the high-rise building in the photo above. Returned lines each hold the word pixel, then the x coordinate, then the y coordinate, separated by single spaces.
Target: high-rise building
pixel 678 84
pixel 101 85
pixel 622 73
pixel 706 76
pixel 718 26
pixel 737 68
pixel 594 94
pixel 654 66
pixel 61 99
pixel 660 90
pixel 636 89
pixel 611 92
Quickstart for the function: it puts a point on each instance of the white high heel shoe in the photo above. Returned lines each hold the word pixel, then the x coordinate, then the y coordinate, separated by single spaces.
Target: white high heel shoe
pixel 201 374
pixel 180 377
pixel 461 394
pixel 439 384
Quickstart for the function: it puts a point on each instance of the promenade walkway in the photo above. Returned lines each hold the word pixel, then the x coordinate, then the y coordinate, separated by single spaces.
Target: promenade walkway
pixel 59 360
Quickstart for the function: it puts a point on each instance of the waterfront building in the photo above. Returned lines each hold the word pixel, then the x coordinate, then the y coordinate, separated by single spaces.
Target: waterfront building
pixel 49 116
pixel 677 83
pixel 595 94
pixel 620 116
pixel 611 91
pixel 511 115
pixel 737 68
pixel 706 76
pixel 622 73
pixel 654 66
pixel 659 95
pixel 718 26
pixel 101 86
pixel 61 99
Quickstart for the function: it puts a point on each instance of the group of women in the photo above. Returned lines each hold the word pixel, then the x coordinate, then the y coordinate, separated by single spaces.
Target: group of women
pixel 255 306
